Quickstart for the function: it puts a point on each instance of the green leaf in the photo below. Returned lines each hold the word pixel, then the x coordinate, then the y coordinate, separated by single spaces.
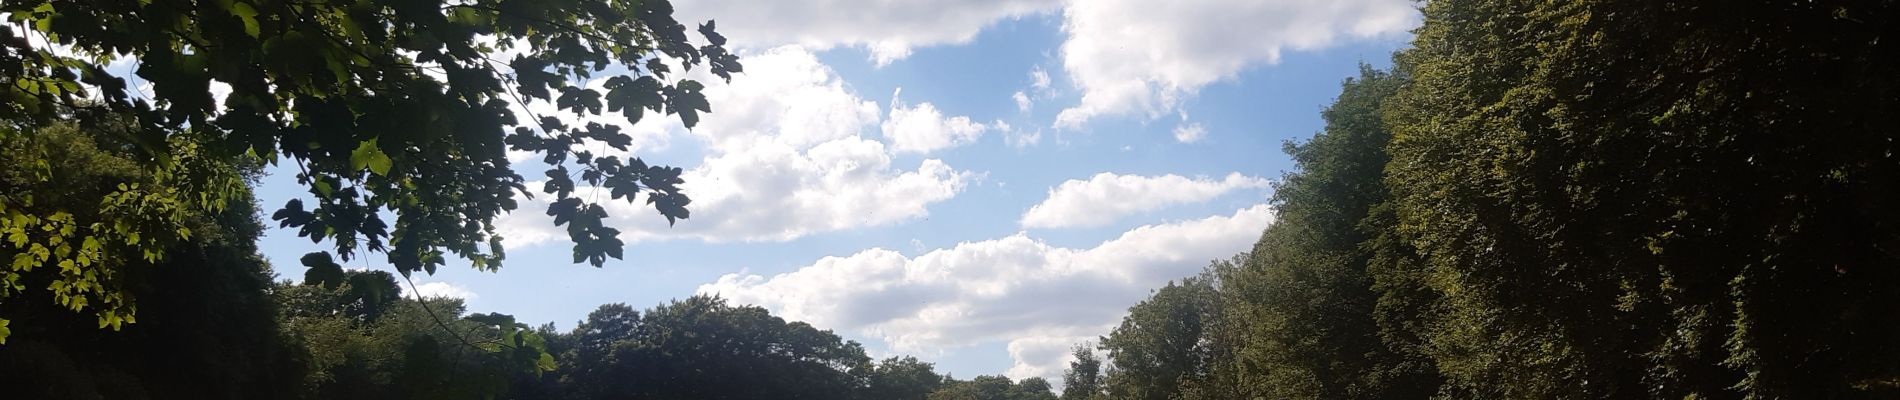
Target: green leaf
pixel 368 154
pixel 249 15
pixel 323 271
pixel 579 100
pixel 323 186
pixel 632 97
pixel 545 363
pixel 688 100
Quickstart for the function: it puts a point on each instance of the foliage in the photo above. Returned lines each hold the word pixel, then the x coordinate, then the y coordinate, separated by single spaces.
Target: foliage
pixel 1083 379
pixel 359 297
pixel 1655 198
pixel 75 206
pixel 209 330
pixel 416 350
pixel 398 107
pixel 900 378
pixel 703 348
pixel 1589 199
pixel 1307 288
pixel 1594 199
pixel 991 387
pixel 1159 350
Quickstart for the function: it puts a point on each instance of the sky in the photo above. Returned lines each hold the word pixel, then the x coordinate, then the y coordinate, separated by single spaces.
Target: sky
pixel 980 184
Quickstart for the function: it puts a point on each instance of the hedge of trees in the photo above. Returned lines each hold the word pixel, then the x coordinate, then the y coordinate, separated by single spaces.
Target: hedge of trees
pixel 1581 199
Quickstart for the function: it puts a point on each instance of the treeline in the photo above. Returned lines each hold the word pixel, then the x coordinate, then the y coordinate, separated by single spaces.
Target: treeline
pixel 1583 199
pixel 212 323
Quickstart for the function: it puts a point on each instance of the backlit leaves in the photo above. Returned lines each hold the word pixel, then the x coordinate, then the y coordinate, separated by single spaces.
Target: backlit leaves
pixel 77 215
pixel 368 155
pixel 383 107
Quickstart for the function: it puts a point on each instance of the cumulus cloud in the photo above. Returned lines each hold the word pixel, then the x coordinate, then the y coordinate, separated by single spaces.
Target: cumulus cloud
pixel 1107 196
pixel 1133 56
pixel 444 290
pixel 1189 133
pixel 784 158
pixel 923 129
pixel 889 29
pixel 1037 298
pixel 1022 101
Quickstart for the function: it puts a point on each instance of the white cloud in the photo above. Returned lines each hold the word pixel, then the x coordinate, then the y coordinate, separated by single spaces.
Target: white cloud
pixel 889 29
pixel 1038 89
pixel 1044 356
pixel 786 96
pixel 923 129
pixel 1039 299
pixel 1015 138
pixel 1134 56
pixel 1189 133
pixel 1022 138
pixel 1107 196
pixel 785 158
pixel 444 290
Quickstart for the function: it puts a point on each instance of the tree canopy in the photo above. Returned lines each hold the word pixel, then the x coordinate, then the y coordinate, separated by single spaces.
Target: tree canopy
pixel 992 387
pixel 703 348
pixel 396 108
pixel 1589 199
pixel 1654 199
pixel 209 329
pixel 1083 379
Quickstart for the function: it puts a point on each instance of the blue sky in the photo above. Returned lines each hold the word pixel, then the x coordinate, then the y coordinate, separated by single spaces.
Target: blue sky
pixel 873 172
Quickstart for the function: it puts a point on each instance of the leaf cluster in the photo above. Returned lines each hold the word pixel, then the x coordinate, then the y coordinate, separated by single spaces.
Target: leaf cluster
pixel 385 108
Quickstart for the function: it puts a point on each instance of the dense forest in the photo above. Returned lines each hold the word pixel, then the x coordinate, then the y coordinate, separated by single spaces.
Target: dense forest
pixel 1585 199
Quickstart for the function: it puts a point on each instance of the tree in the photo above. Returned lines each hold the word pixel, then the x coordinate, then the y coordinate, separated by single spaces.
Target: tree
pixel 1308 287
pixel 588 369
pixel 359 296
pixel 382 106
pixel 1654 198
pixel 76 201
pixel 1159 349
pixel 1032 388
pixel 991 387
pixel 210 330
pixel 1083 379
pixel 900 378
pixel 703 348
pixel 419 349
pixel 527 385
